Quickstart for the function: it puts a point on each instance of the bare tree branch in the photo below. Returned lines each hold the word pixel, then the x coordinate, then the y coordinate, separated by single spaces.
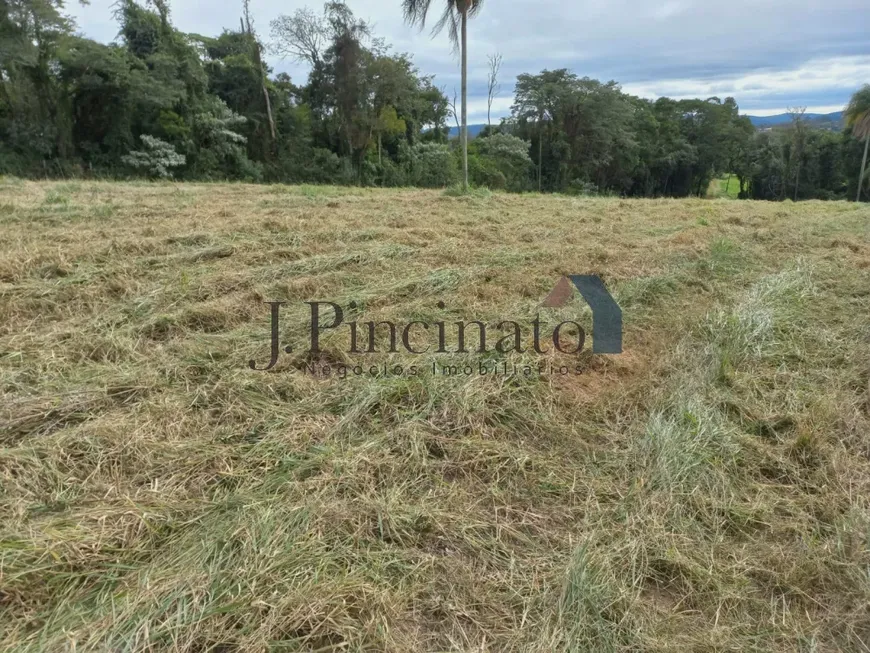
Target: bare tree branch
pixel 452 105
pixel 301 37
pixel 493 88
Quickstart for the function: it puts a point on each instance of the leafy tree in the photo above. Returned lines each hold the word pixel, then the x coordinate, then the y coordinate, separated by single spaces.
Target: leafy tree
pixel 798 144
pixel 509 155
pixel 739 143
pixel 104 87
pixel 33 122
pixel 236 76
pixel 388 123
pixel 216 148
pixel 537 98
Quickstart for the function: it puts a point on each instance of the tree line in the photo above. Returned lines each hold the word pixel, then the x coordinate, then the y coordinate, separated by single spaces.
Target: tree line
pixel 161 103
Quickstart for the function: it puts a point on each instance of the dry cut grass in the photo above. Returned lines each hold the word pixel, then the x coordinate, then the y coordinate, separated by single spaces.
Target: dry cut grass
pixel 707 490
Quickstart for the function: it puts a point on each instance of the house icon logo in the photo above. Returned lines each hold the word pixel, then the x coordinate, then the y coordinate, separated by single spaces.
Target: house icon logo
pixel 606 314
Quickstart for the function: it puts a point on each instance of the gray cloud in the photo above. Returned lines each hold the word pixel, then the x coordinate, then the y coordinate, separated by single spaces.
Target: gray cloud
pixel 760 52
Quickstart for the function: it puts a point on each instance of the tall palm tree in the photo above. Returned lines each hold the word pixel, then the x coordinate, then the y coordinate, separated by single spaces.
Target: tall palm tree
pixel 857 116
pixel 455 18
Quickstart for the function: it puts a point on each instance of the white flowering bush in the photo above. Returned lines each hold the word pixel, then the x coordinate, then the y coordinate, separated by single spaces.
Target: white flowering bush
pixel 156 159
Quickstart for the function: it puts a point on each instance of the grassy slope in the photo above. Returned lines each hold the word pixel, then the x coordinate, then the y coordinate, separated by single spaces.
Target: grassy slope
pixel 706 490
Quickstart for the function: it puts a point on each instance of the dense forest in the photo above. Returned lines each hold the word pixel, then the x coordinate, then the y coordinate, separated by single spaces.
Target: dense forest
pixel 160 103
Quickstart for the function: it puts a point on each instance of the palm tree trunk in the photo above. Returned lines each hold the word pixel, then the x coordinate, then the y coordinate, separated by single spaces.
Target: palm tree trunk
pixel 863 165
pixel 540 148
pixel 465 97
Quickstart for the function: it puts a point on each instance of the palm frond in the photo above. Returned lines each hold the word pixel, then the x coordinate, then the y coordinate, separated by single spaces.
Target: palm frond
pixel 857 112
pixel 861 126
pixel 450 19
pixel 416 12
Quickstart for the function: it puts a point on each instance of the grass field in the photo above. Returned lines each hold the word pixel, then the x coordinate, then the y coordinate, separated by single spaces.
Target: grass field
pixel 706 490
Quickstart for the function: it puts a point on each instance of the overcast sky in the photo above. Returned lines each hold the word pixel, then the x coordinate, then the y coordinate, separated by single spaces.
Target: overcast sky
pixel 769 55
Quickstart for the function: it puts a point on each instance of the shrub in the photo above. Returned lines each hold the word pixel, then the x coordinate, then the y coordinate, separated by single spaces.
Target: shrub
pixel 156 160
pixel 433 165
pixel 581 187
pixel 510 156
pixel 391 174
pixel 483 171
pixel 324 167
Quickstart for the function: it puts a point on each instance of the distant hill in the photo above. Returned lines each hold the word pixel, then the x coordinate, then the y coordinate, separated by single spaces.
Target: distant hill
pixel 473 130
pixel 832 121
pixel 820 120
